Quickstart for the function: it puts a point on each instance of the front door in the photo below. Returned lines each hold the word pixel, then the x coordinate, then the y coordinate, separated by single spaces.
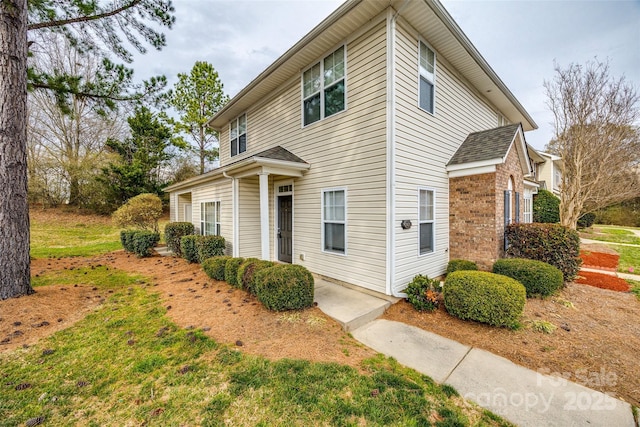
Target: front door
pixel 285 228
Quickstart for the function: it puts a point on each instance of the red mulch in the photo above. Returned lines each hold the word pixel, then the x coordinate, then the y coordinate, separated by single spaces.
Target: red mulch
pixel 599 260
pixel 603 281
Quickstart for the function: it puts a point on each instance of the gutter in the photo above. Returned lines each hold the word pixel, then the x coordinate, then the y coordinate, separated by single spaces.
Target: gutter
pixel 391 151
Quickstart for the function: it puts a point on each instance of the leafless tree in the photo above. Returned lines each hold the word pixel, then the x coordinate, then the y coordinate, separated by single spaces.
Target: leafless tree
pixel 597 136
pixel 69 145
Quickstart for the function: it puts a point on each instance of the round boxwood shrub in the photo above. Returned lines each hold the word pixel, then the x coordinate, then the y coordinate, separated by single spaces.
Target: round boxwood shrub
pixel 460 265
pixel 484 297
pixel 231 271
pixel 209 246
pixel 173 232
pixel 214 267
pixel 126 239
pixel 538 278
pixel 586 220
pixel 423 293
pixel 284 287
pixel 143 242
pixel 188 245
pixel 247 271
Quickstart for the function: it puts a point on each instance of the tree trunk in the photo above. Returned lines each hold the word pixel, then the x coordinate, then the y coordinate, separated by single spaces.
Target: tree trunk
pixel 14 208
pixel 202 149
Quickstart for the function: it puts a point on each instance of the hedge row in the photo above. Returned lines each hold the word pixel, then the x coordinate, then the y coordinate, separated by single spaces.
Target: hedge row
pixel 277 286
pixel 196 248
pixel 139 242
pixel 173 232
pixel 538 278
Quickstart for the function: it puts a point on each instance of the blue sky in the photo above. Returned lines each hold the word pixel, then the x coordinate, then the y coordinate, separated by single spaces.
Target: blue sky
pixel 520 40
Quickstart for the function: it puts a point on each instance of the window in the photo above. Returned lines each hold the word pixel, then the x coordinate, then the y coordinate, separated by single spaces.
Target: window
pixel 238 135
pixel 210 218
pixel 527 213
pixel 427 68
pixel 334 220
pixel 426 221
pixel 323 88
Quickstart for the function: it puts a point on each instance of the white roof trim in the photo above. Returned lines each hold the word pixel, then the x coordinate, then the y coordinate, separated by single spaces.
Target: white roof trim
pixel 467 171
pixel 474 165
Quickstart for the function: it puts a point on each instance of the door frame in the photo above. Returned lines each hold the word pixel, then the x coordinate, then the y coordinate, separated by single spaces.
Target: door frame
pixel 276 217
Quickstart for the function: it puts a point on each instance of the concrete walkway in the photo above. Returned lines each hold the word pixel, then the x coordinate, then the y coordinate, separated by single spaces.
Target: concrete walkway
pixel 602 242
pixel 520 395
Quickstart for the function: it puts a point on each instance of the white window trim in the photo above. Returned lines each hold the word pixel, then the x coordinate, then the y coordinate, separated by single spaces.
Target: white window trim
pixel 246 132
pixel 435 68
pixel 433 221
pixel 216 223
pixel 322 222
pixel 346 85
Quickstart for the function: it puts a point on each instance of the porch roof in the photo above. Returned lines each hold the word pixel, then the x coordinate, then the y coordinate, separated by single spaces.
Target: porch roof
pixel 275 160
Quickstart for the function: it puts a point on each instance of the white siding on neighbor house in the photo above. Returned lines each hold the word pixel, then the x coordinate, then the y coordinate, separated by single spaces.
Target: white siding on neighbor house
pixel 218 190
pixel 347 150
pixel 424 144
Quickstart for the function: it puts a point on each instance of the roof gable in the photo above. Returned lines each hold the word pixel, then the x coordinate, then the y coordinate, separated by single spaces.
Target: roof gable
pixel 482 151
pixel 428 17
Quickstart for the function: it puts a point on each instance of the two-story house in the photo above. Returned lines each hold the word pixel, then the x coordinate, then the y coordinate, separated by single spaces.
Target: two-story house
pixel 379 146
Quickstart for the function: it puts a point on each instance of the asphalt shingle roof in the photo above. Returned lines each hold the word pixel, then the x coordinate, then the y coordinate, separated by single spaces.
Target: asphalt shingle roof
pixel 279 153
pixel 485 145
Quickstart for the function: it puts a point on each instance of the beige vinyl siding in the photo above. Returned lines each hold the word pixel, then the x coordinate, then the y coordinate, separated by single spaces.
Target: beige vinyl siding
pixel 218 190
pixel 249 217
pixel 424 144
pixel 346 150
pixel 183 199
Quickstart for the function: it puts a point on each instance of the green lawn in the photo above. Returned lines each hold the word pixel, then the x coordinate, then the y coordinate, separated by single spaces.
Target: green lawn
pixel 73 235
pixel 127 364
pixel 635 287
pixel 629 259
pixel 613 235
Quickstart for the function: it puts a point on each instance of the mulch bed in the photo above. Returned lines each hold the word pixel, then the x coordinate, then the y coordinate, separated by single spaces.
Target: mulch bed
pixel 602 281
pixel 599 260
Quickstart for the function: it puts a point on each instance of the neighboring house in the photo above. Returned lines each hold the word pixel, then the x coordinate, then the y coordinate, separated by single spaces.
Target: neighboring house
pixel 550 173
pixel 378 147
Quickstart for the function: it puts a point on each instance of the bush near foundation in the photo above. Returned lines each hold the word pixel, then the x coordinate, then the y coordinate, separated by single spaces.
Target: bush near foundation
pixel 231 271
pixel 423 293
pixel 173 232
pixel 550 243
pixel 143 243
pixel 248 270
pixel 538 278
pixel 214 267
pixel 284 287
pixel 209 246
pixel 189 248
pixel 460 265
pixel 484 297
pixel 126 239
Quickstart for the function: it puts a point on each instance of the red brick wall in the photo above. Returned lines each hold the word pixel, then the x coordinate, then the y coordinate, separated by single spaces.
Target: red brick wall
pixel 476 212
pixel 472 219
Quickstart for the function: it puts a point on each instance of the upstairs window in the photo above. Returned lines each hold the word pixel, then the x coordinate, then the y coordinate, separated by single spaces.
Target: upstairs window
pixel 238 135
pixel 323 88
pixel 427 69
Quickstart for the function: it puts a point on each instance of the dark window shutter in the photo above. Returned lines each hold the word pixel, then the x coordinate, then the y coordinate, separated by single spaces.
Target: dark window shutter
pixel 507 219
pixel 517 214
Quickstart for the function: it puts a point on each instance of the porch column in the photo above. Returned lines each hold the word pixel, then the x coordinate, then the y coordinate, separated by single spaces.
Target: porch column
pixel 264 215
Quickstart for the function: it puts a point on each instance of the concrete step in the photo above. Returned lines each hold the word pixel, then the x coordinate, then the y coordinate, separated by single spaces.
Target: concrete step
pixel 350 308
pixel 163 251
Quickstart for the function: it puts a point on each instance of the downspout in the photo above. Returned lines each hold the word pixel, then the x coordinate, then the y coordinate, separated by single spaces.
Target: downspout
pixel 391 150
pixel 234 214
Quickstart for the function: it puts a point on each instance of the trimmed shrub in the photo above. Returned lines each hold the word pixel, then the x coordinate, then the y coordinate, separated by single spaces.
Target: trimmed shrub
pixel 209 246
pixel 126 239
pixel 484 297
pixel 550 243
pixel 143 242
pixel 214 267
pixel 586 220
pixel 538 278
pixel 141 211
pixel 188 247
pixel 546 207
pixel 231 271
pixel 284 287
pixel 173 232
pixel 247 271
pixel 423 293
pixel 461 264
